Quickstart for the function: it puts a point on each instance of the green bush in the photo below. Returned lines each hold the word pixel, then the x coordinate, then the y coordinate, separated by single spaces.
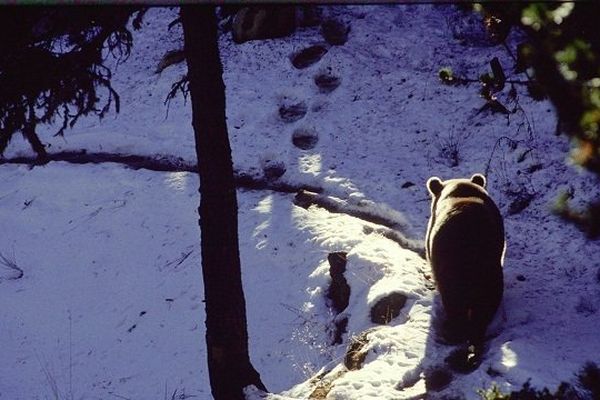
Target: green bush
pixel 588 378
pixel 564 392
pixel 562 55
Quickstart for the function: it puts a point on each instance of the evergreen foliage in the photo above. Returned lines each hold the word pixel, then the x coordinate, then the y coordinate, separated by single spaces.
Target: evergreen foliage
pixel 52 66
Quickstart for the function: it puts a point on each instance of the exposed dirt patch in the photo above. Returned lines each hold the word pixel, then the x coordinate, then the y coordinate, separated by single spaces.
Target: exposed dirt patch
pixel 387 308
pixel 356 354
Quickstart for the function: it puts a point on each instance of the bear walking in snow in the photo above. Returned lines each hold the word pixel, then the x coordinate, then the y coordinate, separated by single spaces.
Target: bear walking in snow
pixel 465 248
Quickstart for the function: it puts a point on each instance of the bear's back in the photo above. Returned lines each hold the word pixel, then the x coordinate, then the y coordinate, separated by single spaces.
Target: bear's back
pixel 466 223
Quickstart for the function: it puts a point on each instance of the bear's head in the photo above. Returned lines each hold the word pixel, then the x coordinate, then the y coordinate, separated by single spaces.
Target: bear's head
pixel 435 185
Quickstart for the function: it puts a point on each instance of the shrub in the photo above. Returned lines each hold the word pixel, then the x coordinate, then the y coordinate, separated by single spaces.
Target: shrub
pixel 588 377
pixel 562 52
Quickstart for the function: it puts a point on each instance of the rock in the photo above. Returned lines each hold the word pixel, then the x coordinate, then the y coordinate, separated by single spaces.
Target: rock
pixel 308 56
pixel 387 308
pixel 304 138
pixel 263 22
pixel 335 32
pixel 309 15
pixel 339 290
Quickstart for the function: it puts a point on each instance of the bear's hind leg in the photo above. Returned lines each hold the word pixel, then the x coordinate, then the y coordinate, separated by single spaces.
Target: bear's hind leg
pixel 454 321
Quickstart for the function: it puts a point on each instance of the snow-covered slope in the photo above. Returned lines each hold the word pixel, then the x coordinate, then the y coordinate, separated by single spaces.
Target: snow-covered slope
pixel 110 302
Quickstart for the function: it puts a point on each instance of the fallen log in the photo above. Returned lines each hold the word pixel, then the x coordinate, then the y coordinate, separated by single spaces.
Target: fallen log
pixel 157 163
pixel 392 223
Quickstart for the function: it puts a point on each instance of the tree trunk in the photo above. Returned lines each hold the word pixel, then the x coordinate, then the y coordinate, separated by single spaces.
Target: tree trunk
pixel 31 136
pixel 229 364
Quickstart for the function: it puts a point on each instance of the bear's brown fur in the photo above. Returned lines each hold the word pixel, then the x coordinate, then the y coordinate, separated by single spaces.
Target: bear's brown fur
pixel 465 248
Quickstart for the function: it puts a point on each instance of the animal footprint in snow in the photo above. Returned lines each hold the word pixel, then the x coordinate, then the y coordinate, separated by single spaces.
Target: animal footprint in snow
pixel 308 56
pixel 272 168
pixel 326 82
pixel 305 138
pixel 293 112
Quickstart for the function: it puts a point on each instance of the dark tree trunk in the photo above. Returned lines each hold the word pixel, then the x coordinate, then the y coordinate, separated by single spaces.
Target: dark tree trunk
pixel 32 137
pixel 229 364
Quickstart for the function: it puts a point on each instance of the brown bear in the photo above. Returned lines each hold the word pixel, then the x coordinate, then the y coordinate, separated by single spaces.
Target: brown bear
pixel 465 247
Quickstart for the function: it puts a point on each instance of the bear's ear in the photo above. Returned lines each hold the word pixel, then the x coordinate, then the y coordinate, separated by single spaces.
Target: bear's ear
pixel 435 186
pixel 478 179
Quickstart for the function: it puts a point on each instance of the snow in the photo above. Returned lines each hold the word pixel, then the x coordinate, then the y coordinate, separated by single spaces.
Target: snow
pixel 110 303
